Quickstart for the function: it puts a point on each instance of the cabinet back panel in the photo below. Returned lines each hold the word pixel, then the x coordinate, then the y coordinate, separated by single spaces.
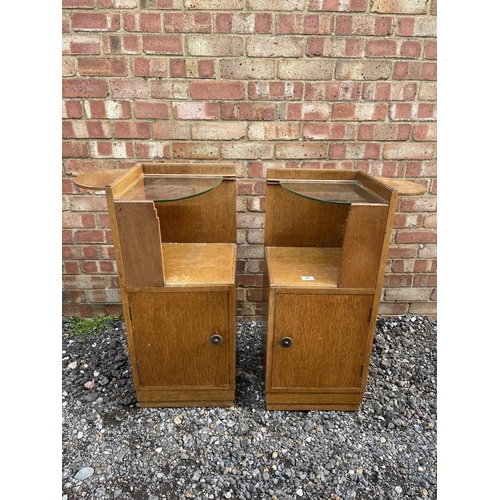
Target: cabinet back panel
pixel 295 221
pixel 209 218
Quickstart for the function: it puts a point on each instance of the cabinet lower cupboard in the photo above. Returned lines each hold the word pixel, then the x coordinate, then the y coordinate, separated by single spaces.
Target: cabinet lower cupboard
pixel 326 240
pixel 174 234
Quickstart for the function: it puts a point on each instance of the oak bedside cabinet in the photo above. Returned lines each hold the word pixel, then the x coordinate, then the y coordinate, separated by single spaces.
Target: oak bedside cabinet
pixel 174 234
pixel 327 234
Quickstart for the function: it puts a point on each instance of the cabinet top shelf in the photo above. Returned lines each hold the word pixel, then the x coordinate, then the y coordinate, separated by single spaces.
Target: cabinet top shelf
pixel 169 187
pixel 344 192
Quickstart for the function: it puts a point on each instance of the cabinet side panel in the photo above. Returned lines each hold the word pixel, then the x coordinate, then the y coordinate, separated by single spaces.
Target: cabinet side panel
pixel 362 248
pixel 140 243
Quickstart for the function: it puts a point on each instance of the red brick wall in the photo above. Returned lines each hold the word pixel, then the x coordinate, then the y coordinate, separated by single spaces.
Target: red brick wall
pixel 263 83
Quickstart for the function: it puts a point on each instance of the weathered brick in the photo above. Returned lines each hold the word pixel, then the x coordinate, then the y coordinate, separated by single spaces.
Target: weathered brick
pixel 425 132
pixel 73 149
pixel 136 129
pixel 108 109
pixel 413 111
pixel 419 204
pixel 162 44
pixel 150 66
pixel 72 109
pixel 305 70
pixel 195 150
pixel 80 87
pixel 247 111
pixel 115 149
pixel 251 187
pixel 273 131
pixel 250 221
pixel 148 109
pixel 154 149
pixel 427 91
pixel 338 5
pixel 143 21
pixel 410 49
pixel 421 169
pixel 355 151
pixel 188 22
pixel 390 91
pixel 362 25
pixel 334 47
pixel 418 236
pixel 363 70
pixel 400 6
pixel 167 4
pixel 381 48
pixel 78 4
pixel 122 44
pixel 89 21
pixel 214 4
pixel 276 4
pixel 217 90
pixel 425 27
pixel 308 111
pixel 218 131
pixel 170 130
pixel 360 111
pixel 384 132
pixel 247 69
pixel 383 168
pixel 102 66
pixel 333 91
pixel 195 110
pixel 243 23
pixel 275 91
pixel 430 50
pixel 275 46
pixel 246 151
pixel 169 90
pixel 80 44
pixel 69 66
pixel 418 151
pixel 309 24
pixel 214 45
pixel 117 4
pixel 328 131
pixel 129 88
pixel 301 150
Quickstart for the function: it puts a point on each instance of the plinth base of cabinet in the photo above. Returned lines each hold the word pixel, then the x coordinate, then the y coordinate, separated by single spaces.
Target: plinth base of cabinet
pixel 185 398
pixel 314 401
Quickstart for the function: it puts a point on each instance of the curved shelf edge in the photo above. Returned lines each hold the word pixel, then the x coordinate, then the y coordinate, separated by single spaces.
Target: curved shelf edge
pixel 98 180
pixel 402 186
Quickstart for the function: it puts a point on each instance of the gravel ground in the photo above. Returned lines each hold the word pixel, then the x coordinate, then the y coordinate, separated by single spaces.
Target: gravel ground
pixel 112 449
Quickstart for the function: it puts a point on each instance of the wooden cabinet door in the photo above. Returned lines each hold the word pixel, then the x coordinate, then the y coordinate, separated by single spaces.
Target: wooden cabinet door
pixel 329 338
pixel 171 335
